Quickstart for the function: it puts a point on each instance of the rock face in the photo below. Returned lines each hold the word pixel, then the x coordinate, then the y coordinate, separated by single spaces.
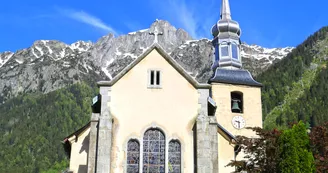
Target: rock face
pixel 49 65
pixel 257 59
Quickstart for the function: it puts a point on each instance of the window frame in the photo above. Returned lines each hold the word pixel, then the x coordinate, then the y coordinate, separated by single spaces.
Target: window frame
pixel 224 45
pixel 127 154
pixel 158 152
pixel 157 84
pixel 241 104
pixel 180 154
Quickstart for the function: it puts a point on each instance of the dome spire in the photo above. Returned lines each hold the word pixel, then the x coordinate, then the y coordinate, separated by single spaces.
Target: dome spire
pixel 225 10
pixel 226 40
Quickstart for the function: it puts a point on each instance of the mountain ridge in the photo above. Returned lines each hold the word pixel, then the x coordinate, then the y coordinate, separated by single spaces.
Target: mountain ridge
pixel 104 59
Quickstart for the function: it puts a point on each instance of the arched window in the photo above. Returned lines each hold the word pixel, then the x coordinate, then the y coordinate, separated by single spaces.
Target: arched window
pixel 153 151
pixel 133 155
pixel 237 102
pixel 174 157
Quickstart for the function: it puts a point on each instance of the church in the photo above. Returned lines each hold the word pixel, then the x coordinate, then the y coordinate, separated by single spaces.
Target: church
pixel 153 117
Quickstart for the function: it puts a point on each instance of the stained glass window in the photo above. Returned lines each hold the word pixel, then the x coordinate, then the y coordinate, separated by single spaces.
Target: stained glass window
pixel 174 157
pixel 234 50
pixel 153 152
pixel 133 156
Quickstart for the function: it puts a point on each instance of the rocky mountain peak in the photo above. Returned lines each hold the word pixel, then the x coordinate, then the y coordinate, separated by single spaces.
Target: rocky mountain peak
pixel 260 58
pixel 114 53
pixel 49 64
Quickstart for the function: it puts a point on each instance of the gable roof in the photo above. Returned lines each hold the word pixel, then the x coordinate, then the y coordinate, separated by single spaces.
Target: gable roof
pixel 167 57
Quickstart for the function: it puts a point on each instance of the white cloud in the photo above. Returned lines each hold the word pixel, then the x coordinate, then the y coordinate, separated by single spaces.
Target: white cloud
pixel 196 17
pixel 86 18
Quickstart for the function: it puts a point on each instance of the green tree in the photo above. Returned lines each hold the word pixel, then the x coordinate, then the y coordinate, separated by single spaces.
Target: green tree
pixel 261 153
pixel 294 150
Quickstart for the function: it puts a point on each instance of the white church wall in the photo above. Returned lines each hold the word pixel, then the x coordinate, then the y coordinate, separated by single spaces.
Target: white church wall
pixel 226 154
pixel 79 152
pixel 135 108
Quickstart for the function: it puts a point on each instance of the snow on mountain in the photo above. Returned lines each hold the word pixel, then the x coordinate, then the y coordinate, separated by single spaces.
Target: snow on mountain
pixel 257 59
pixel 260 53
pixel 4 57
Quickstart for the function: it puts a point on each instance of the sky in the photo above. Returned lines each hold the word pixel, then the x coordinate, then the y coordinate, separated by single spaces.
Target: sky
pixel 268 23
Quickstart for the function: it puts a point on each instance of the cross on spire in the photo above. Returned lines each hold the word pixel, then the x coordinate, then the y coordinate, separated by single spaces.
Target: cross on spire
pixel 156 33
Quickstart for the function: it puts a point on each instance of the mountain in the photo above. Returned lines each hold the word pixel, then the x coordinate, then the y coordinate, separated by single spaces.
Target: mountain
pixel 49 65
pixel 258 59
pixel 296 87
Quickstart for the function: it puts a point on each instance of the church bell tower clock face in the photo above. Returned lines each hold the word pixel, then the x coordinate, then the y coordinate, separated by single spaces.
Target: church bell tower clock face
pixel 238 122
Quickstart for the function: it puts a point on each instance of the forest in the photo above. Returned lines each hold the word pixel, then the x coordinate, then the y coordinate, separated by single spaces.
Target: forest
pixel 33 125
pixel 295 88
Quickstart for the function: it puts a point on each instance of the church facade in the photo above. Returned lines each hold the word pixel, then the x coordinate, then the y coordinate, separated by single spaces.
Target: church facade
pixel 153 117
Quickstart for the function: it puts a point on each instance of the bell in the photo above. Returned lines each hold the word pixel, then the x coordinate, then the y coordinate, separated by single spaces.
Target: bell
pixel 235 106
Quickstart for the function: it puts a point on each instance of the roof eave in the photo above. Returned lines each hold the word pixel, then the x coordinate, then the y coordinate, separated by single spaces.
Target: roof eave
pixel 228 134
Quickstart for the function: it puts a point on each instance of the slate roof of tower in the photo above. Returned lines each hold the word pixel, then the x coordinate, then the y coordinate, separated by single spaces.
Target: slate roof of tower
pixel 234 76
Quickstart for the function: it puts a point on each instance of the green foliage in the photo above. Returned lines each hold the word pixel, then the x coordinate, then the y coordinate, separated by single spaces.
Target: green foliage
pixel 288 94
pixel 32 127
pixel 294 150
pixel 319 145
pixel 276 117
pixel 58 167
pixel 261 153
pixel 275 151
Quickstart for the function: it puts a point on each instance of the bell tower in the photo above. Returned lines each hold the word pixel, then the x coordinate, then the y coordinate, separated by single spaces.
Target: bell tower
pixel 235 92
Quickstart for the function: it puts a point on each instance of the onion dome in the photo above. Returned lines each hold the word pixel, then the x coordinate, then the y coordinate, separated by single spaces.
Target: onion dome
pixel 226 24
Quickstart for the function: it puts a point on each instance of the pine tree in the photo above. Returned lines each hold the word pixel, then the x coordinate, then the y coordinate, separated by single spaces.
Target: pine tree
pixel 294 150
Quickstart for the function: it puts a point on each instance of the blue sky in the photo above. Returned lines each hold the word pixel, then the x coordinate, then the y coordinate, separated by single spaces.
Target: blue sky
pixel 269 23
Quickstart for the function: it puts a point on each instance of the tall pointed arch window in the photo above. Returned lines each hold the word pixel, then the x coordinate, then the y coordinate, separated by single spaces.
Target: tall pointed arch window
pixel 153 151
pixel 133 156
pixel 174 156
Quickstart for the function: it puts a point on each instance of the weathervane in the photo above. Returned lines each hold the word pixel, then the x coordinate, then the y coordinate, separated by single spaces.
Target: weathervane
pixel 156 33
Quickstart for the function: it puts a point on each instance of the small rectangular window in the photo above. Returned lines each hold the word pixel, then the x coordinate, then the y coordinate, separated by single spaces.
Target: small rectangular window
pixel 154 79
pixel 234 50
pixel 224 51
